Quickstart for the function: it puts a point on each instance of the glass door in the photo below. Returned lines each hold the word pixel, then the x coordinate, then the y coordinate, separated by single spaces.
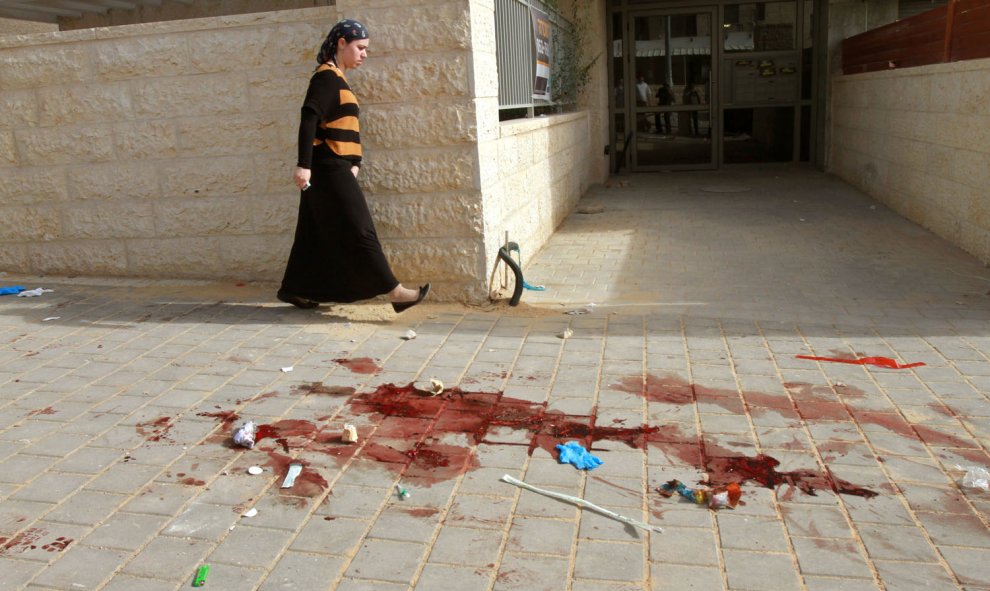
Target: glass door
pixel 671 89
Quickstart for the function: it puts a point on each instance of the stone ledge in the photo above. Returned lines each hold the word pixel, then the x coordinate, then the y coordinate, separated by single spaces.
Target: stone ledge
pixel 520 126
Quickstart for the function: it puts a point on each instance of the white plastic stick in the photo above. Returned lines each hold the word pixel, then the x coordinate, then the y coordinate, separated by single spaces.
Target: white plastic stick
pixel 582 503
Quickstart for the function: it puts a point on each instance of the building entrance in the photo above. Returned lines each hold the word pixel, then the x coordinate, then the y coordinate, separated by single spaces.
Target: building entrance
pixel 700 85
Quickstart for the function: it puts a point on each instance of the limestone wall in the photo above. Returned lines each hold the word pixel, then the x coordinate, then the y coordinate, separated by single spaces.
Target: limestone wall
pixel 9 26
pixel 168 10
pixel 537 170
pixel 918 140
pixel 166 149
pixel 532 172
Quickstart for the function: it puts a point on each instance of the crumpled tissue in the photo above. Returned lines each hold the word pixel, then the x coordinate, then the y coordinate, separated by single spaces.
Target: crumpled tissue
pixel 572 453
pixel 32 293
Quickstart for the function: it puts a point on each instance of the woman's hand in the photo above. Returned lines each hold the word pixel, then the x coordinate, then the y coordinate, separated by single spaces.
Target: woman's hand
pixel 301 178
pixel 354 170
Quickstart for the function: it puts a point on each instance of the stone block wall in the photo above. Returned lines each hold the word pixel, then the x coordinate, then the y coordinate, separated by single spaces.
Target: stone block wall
pixel 168 10
pixel 166 149
pixel 538 170
pixel 918 140
pixel 534 171
pixel 9 26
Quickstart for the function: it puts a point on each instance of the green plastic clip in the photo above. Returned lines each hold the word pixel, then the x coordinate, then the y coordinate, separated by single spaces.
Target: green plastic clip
pixel 200 579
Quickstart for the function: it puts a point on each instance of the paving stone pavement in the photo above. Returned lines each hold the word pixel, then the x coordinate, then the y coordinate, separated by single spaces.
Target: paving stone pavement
pixel 118 399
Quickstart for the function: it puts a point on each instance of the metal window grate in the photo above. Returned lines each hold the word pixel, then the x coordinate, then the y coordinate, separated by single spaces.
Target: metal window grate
pixel 515 50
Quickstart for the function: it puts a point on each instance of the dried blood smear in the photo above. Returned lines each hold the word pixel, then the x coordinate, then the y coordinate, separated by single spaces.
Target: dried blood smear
pixel 156 430
pixel 227 417
pixel 364 365
pixel 724 466
pixel 22 542
pixel 429 439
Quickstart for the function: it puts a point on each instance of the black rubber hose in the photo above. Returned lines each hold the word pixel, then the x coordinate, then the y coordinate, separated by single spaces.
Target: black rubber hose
pixel 503 253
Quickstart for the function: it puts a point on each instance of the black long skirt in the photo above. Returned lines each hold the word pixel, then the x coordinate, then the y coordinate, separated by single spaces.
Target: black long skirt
pixel 336 255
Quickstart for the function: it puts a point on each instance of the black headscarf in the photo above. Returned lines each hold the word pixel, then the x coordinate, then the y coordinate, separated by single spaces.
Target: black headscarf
pixel 347 29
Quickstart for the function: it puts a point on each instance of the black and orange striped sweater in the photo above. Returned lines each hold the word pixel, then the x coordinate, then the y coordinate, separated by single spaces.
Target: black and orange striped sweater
pixel 328 127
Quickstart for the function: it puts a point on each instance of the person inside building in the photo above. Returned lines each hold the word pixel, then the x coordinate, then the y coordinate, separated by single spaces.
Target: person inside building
pixel 642 100
pixel 336 255
pixel 665 98
pixel 691 96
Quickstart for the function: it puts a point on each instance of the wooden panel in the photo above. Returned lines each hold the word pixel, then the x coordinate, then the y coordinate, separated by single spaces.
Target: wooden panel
pixel 971 32
pixel 921 39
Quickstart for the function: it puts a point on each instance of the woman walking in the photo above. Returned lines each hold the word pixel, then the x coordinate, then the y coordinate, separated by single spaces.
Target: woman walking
pixel 336 255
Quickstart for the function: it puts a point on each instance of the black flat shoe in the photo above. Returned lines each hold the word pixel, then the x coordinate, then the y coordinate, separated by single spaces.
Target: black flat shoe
pixel 296 301
pixel 403 306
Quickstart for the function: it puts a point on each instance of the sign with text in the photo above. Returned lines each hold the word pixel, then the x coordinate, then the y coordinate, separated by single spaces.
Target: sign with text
pixel 542 34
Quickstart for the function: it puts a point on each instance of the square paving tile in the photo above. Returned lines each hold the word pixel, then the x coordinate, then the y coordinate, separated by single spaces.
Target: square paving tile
pixel 830 556
pixel 891 542
pixel 968 564
pixel 339 536
pixel 545 536
pixel 674 577
pixel 531 572
pixel 912 575
pixel 696 546
pixel 125 531
pixel 250 547
pixel 83 566
pixel 296 570
pixel 443 576
pixel 168 557
pixel 465 546
pixel 751 533
pixel 387 560
pixel 758 572
pixel 616 561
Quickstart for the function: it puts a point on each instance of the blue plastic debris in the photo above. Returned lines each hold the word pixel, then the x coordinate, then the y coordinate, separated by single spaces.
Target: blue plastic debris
pixel 572 453
pixel 11 290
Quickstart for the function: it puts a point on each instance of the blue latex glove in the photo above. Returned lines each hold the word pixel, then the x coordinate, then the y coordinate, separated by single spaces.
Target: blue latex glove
pixel 572 453
pixel 11 290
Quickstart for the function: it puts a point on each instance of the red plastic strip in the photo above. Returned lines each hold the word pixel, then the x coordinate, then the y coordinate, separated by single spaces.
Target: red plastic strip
pixel 877 361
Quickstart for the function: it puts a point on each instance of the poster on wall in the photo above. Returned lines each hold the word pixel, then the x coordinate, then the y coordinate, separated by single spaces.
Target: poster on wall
pixel 543 38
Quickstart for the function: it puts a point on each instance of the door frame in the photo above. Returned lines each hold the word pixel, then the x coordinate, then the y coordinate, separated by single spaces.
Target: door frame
pixel 622 119
pixel 633 112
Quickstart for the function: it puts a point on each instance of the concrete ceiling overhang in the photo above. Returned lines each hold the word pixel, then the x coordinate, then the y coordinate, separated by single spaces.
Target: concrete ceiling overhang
pixel 50 11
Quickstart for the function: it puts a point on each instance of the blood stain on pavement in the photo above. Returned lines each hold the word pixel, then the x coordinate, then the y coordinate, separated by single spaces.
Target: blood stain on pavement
pixel 308 483
pixel 22 542
pixel 58 545
pixel 725 466
pixel 42 411
pixel 431 439
pixel 323 389
pixel 156 429
pixel 363 365
pixel 227 417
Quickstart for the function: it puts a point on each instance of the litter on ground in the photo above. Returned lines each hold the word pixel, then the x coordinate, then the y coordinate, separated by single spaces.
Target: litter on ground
pixel 573 453
pixel 976 477
pixel 33 293
pixel 715 498
pixel 290 476
pixel 582 503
